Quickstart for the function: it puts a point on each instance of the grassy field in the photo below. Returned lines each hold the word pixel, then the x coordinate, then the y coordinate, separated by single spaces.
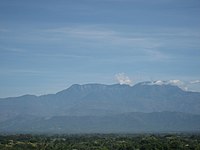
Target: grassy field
pixel 101 142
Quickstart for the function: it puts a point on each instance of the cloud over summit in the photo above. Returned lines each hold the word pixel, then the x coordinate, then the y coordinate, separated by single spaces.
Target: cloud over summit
pixel 123 79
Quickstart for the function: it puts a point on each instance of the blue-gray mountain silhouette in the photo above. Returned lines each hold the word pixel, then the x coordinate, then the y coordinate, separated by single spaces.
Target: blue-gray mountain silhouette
pixel 101 102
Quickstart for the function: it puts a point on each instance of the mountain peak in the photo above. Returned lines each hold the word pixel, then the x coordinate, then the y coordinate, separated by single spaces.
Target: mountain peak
pixel 87 86
pixel 97 85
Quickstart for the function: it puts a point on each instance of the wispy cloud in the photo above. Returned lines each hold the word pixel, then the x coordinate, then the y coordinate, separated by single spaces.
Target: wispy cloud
pixel 15 50
pixel 62 55
pixel 94 35
pixel 185 85
pixel 176 82
pixel 4 30
pixel 150 45
pixel 29 72
pixel 154 38
pixel 172 82
pixel 102 34
pixel 156 55
pixel 195 82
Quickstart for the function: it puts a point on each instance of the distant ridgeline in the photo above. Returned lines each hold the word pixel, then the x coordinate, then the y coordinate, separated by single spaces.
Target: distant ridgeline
pixel 98 108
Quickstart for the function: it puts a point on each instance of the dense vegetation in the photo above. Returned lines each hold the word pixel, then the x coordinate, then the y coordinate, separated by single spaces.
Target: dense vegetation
pixel 100 142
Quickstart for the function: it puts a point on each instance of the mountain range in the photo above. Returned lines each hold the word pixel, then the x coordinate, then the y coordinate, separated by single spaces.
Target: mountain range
pixel 143 107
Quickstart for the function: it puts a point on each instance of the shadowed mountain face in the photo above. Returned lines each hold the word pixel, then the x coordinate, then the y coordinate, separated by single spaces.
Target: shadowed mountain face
pixel 122 123
pixel 98 100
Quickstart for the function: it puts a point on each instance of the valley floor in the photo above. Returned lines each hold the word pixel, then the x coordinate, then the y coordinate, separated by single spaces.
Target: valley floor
pixel 101 142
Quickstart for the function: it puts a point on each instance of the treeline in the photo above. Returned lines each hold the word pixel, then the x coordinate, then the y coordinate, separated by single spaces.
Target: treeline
pixel 100 142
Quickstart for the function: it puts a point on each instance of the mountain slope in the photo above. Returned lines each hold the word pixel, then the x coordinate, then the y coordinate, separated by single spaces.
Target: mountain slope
pixel 99 99
pixel 122 123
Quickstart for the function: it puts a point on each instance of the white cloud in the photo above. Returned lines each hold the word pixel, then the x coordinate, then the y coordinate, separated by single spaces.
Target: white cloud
pixel 185 88
pixel 123 79
pixel 195 82
pixel 176 82
pixel 172 82
pixel 158 82
pixel 184 85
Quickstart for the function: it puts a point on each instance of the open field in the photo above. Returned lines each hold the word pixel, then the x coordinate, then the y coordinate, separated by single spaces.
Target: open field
pixel 101 142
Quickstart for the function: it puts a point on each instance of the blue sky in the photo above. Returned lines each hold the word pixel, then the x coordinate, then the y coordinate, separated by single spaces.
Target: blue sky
pixel 48 45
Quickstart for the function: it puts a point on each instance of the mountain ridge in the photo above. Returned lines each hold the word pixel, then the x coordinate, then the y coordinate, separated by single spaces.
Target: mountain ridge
pixel 144 83
pixel 100 100
pixel 141 96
